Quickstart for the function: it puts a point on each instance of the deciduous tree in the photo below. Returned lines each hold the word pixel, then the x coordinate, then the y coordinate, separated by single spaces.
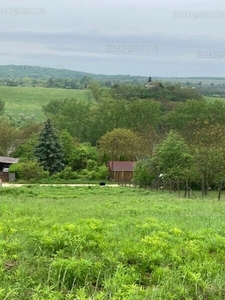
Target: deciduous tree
pixel 173 158
pixel 8 137
pixel 208 147
pixel 121 144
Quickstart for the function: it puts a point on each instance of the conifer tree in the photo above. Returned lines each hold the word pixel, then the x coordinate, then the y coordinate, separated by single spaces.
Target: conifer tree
pixel 49 150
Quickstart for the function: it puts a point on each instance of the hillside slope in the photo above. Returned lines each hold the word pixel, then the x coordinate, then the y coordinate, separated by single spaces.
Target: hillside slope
pixel 29 100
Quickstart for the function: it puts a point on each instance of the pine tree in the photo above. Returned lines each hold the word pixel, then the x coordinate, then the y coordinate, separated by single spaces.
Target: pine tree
pixel 49 150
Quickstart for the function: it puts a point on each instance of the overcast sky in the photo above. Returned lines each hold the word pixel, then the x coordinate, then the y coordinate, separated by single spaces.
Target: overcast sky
pixel 136 37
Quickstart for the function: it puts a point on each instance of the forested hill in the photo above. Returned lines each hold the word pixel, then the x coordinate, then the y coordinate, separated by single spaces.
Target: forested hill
pixel 19 71
pixel 37 72
pixel 22 75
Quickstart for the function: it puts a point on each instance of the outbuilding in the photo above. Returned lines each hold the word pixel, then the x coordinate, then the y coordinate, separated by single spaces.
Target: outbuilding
pixel 5 163
pixel 121 171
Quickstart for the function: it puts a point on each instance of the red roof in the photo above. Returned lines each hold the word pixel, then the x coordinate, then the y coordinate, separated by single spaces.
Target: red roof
pixel 121 165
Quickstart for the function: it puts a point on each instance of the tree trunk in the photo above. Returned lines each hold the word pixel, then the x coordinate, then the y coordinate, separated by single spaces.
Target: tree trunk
pixel 187 187
pixel 203 185
pixel 187 190
pixel 171 186
pixel 178 186
pixel 220 189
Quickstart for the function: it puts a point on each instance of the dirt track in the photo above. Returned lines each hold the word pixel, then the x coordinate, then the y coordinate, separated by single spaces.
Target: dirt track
pixel 5 184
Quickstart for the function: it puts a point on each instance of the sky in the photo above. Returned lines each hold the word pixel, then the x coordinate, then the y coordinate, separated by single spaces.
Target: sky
pixel 164 38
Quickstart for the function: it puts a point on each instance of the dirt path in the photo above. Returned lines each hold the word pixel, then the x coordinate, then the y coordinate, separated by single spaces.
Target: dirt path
pixel 6 184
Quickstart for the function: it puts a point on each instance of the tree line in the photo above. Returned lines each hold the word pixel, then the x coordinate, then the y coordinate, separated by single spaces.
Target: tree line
pixel 124 123
pixel 178 164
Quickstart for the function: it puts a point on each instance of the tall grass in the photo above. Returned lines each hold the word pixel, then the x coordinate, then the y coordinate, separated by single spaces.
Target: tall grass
pixel 109 243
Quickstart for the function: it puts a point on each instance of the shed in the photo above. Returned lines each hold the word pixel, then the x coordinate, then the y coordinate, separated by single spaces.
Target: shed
pixel 5 163
pixel 121 171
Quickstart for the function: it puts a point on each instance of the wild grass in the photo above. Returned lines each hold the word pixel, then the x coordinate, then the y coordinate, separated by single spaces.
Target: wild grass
pixel 29 100
pixel 109 243
pixel 213 99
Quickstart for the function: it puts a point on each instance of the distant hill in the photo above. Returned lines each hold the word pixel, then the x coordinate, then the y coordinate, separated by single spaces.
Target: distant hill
pixel 19 71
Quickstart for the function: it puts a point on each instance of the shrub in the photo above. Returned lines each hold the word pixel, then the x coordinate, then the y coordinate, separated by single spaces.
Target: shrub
pixel 92 175
pixel 92 165
pixel 66 173
pixel 28 170
pixel 84 172
pixel 143 175
pixel 103 172
pixel 74 175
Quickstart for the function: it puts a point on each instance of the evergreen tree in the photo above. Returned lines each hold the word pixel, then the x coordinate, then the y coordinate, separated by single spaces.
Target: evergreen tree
pixel 49 150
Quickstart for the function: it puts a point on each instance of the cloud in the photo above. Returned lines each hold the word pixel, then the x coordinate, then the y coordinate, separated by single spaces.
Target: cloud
pixel 117 36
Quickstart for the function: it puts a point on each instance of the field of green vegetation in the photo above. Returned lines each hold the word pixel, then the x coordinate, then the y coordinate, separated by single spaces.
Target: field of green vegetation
pixel 212 99
pixel 194 80
pixel 29 100
pixel 110 243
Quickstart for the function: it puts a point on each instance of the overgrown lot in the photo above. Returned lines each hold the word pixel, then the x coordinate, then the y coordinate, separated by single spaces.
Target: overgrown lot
pixel 110 243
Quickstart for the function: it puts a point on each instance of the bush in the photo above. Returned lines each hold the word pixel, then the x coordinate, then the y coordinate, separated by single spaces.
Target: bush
pixel 92 175
pixel 28 170
pixel 103 172
pixel 92 165
pixel 74 175
pixel 143 175
pixel 96 173
pixel 84 172
pixel 66 173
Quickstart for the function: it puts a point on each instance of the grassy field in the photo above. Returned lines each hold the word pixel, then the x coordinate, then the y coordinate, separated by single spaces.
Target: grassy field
pixel 29 100
pixel 110 243
pixel 212 99
pixel 205 80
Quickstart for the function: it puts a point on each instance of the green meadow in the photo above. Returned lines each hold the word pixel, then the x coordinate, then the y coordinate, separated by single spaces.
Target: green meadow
pixel 194 80
pixel 212 99
pixel 29 100
pixel 110 243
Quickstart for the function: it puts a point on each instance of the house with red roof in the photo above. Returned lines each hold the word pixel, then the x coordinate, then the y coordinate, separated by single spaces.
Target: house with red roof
pixel 121 171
